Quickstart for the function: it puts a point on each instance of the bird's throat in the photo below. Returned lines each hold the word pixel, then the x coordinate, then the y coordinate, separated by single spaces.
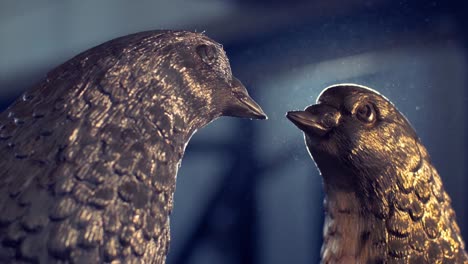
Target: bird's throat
pixel 346 229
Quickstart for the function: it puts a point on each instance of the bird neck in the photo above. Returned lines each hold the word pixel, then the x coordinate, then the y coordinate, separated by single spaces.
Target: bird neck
pixel 153 138
pixel 177 116
pixel 343 227
pixel 346 228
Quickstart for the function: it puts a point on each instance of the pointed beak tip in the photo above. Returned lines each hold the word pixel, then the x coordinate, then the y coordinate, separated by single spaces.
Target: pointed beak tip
pixel 243 105
pixel 311 124
pixel 291 115
pixel 261 115
pixel 253 109
pixel 258 115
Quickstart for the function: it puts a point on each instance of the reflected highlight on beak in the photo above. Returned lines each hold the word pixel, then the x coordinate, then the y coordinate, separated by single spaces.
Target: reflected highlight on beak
pixel 251 109
pixel 242 105
pixel 315 120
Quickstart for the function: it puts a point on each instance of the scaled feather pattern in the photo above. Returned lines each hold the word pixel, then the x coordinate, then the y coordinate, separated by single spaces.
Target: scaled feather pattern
pixel 90 154
pixel 384 200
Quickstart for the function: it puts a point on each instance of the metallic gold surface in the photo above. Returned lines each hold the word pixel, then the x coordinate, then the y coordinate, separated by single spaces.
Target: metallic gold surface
pixel 89 156
pixel 384 202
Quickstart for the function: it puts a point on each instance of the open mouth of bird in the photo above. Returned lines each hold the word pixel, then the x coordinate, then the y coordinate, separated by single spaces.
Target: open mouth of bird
pixel 315 120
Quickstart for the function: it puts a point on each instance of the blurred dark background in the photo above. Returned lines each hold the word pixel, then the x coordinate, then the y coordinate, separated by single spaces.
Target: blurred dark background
pixel 247 191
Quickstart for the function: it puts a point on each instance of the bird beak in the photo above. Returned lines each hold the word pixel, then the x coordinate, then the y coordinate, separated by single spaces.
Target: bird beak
pixel 242 105
pixel 316 120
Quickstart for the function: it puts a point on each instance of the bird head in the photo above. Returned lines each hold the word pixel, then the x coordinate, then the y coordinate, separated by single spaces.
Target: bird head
pixel 229 97
pixel 200 70
pixel 355 134
pixel 180 75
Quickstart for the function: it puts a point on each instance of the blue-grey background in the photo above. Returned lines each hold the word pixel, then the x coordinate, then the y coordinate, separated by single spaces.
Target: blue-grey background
pixel 247 191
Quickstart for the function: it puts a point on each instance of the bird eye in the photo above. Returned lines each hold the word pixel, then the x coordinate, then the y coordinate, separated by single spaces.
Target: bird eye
pixel 366 113
pixel 207 53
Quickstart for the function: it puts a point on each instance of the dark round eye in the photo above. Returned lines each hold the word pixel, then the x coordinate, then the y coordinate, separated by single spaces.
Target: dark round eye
pixel 207 53
pixel 366 113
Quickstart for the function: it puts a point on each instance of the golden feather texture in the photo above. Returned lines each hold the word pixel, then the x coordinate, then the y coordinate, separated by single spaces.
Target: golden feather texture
pixel 384 200
pixel 90 154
